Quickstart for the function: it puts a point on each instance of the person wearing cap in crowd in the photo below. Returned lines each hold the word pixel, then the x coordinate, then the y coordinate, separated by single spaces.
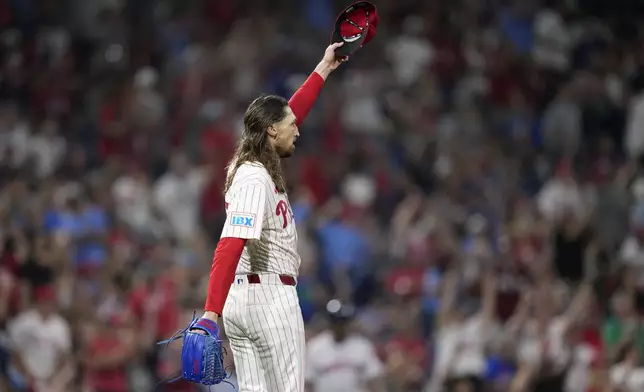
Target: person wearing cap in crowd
pixel 41 342
pixel 341 360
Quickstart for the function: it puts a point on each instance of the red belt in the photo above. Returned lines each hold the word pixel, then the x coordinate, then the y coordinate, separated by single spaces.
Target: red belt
pixel 285 279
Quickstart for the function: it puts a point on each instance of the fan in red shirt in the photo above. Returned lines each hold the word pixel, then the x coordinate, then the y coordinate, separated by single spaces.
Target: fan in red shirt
pixel 156 302
pixel 406 355
pixel 106 356
pixel 217 144
pixel 115 140
pixel 9 268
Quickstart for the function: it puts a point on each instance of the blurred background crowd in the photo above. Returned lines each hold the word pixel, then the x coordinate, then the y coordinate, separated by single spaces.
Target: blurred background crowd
pixel 471 181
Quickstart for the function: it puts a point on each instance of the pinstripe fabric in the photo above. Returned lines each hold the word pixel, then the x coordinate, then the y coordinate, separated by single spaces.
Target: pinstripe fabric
pixel 263 322
pixel 264 325
pixel 273 238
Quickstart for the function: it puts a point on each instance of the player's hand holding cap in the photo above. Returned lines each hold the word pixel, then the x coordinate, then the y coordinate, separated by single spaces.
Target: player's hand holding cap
pixel 355 27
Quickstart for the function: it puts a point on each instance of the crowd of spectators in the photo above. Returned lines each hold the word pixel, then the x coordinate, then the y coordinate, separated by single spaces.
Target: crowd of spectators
pixel 472 181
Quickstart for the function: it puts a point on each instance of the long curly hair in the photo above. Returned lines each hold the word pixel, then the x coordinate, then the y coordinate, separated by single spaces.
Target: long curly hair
pixel 254 145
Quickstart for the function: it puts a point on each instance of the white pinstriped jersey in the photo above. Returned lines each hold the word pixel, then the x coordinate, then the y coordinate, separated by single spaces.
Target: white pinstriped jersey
pixel 257 212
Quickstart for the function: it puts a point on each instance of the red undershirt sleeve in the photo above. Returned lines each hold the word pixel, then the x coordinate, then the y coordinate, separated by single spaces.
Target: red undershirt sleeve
pixel 222 272
pixel 302 101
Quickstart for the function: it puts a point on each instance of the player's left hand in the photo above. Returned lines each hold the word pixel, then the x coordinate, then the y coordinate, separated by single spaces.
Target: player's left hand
pixel 202 357
pixel 330 59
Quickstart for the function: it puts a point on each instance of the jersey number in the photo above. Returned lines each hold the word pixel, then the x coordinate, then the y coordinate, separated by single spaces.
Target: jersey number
pixel 284 211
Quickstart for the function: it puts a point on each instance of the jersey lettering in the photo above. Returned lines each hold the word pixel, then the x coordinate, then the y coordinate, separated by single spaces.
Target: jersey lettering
pixel 284 211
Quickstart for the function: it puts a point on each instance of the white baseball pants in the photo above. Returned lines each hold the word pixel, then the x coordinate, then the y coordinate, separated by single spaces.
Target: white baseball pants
pixel 263 323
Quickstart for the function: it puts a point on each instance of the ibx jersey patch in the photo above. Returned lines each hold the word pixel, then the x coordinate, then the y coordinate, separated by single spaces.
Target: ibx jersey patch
pixel 243 220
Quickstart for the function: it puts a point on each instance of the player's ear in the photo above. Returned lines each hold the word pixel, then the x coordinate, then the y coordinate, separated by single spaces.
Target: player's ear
pixel 272 131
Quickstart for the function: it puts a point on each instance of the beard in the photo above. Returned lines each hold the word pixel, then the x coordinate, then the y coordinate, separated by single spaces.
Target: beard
pixel 286 152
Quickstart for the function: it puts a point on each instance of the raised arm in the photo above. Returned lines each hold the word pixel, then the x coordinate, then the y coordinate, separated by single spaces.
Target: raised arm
pixel 489 297
pixel 521 313
pixel 579 305
pixel 448 297
pixel 302 101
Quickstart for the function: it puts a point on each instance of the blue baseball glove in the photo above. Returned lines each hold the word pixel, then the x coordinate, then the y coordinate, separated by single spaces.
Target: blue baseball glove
pixel 202 356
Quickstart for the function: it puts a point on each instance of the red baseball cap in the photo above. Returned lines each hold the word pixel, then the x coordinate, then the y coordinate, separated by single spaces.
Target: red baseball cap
pixel 355 26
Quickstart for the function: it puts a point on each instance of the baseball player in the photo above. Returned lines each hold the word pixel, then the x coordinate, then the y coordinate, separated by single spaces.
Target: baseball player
pixel 253 276
pixel 340 361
